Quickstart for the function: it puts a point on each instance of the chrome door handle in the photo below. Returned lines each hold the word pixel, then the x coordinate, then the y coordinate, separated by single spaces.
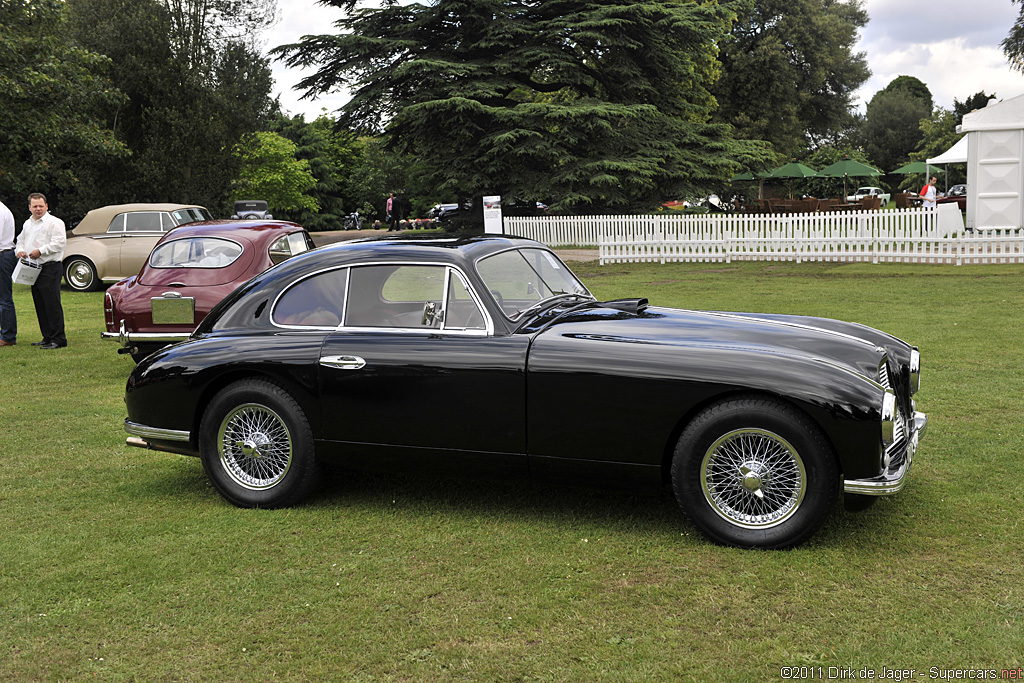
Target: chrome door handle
pixel 343 362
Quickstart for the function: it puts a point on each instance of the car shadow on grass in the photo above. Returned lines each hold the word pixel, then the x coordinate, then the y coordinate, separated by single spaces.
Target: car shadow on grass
pixel 369 495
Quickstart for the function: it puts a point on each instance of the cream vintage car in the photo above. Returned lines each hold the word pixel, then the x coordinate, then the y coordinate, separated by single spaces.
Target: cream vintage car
pixel 112 242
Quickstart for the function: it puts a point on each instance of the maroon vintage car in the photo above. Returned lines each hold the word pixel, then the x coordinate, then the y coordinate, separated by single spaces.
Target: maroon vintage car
pixel 190 270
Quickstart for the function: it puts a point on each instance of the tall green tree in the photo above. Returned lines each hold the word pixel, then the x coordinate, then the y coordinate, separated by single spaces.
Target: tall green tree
pixel 54 100
pixel 271 172
pixel 978 100
pixel 180 120
pixel 603 105
pixel 892 128
pixel 197 27
pixel 938 134
pixel 1013 43
pixel 317 144
pixel 789 71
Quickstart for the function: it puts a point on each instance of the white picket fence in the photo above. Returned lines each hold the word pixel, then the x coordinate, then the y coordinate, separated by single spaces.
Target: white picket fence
pixel 902 235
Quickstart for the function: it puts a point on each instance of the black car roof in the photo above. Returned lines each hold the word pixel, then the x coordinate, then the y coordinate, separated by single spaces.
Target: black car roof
pixel 441 247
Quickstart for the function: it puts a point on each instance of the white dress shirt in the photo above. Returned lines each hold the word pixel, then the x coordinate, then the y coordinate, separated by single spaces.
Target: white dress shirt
pixel 47 234
pixel 6 228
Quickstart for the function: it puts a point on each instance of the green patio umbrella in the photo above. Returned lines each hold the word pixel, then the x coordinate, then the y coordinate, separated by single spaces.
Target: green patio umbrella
pixel 848 168
pixel 917 167
pixel 793 169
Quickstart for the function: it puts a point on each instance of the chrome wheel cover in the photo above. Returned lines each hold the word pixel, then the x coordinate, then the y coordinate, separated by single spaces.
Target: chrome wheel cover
pixel 255 446
pixel 753 478
pixel 80 275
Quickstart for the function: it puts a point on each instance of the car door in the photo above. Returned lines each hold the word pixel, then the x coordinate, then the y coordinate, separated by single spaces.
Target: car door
pixel 415 372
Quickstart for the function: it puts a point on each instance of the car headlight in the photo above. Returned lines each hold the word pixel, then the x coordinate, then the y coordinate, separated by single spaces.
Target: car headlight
pixel 888 418
pixel 915 370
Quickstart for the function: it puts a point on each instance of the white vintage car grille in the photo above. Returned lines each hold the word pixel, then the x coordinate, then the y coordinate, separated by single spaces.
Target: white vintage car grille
pixel 897 450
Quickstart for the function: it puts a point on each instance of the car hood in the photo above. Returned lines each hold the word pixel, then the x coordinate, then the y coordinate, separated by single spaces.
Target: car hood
pixel 849 345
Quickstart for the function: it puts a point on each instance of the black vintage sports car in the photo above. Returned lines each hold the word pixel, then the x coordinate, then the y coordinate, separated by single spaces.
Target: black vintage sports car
pixel 488 354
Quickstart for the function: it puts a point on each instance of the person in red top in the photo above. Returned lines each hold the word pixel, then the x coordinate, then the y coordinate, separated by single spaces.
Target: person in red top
pixel 928 193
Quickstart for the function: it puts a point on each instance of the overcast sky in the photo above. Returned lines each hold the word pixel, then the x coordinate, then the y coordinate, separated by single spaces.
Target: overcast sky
pixel 951 45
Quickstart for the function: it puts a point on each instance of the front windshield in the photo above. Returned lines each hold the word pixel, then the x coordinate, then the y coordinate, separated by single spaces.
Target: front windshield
pixel 521 278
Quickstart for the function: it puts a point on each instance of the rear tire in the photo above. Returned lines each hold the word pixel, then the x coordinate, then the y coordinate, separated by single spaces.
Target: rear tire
pixel 257 446
pixel 755 472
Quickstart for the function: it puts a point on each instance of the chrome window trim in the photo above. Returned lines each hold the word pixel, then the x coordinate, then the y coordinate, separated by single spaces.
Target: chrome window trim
pixel 149 259
pixel 327 328
pixel 157 433
pixel 148 231
pixel 117 230
pixel 486 331
pixel 476 264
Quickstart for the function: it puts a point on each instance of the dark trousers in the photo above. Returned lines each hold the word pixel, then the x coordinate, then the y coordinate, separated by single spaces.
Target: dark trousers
pixel 8 316
pixel 46 297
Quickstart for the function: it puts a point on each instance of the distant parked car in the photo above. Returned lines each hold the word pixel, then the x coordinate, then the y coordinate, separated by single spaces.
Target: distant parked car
pixel 251 209
pixel 956 195
pixel 869 192
pixel 113 242
pixel 189 271
pixel 438 209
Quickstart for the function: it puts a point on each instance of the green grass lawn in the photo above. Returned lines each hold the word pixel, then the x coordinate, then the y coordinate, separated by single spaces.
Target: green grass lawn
pixel 125 565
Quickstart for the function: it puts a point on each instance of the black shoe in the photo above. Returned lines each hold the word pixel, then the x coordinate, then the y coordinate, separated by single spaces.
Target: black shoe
pixel 39 343
pixel 52 345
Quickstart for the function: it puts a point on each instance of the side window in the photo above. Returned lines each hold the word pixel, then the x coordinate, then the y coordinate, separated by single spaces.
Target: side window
pixel 287 246
pixel 461 311
pixel 317 301
pixel 117 225
pixel 396 296
pixel 142 221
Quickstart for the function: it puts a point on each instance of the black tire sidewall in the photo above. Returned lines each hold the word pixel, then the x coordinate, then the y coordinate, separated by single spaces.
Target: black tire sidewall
pixel 304 470
pixel 789 423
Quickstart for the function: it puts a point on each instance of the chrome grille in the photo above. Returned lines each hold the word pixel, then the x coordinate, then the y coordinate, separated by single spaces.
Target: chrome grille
pixel 897 450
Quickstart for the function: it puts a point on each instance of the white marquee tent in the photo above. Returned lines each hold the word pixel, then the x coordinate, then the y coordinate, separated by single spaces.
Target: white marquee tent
pixel 957 154
pixel 995 165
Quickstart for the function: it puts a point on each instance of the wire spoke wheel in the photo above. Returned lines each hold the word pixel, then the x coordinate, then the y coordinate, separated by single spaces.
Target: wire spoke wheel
pixel 753 478
pixel 255 446
pixel 755 472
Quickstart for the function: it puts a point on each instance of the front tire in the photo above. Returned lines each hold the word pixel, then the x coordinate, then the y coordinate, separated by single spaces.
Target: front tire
pixel 755 472
pixel 80 274
pixel 257 446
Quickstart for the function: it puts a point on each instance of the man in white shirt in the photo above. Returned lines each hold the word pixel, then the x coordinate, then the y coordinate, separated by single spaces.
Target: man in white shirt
pixel 42 239
pixel 8 316
pixel 928 194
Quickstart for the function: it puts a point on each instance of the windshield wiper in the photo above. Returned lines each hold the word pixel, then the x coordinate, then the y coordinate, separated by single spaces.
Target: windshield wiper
pixel 550 299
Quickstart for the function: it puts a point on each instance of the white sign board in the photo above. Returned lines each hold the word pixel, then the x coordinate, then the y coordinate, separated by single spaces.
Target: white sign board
pixel 492 215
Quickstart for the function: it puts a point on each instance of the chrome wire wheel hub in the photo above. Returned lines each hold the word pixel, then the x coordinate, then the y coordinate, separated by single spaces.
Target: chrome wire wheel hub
pixel 753 478
pixel 255 446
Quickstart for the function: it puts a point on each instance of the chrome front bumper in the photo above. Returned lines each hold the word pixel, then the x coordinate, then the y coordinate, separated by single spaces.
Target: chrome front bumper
pixel 891 482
